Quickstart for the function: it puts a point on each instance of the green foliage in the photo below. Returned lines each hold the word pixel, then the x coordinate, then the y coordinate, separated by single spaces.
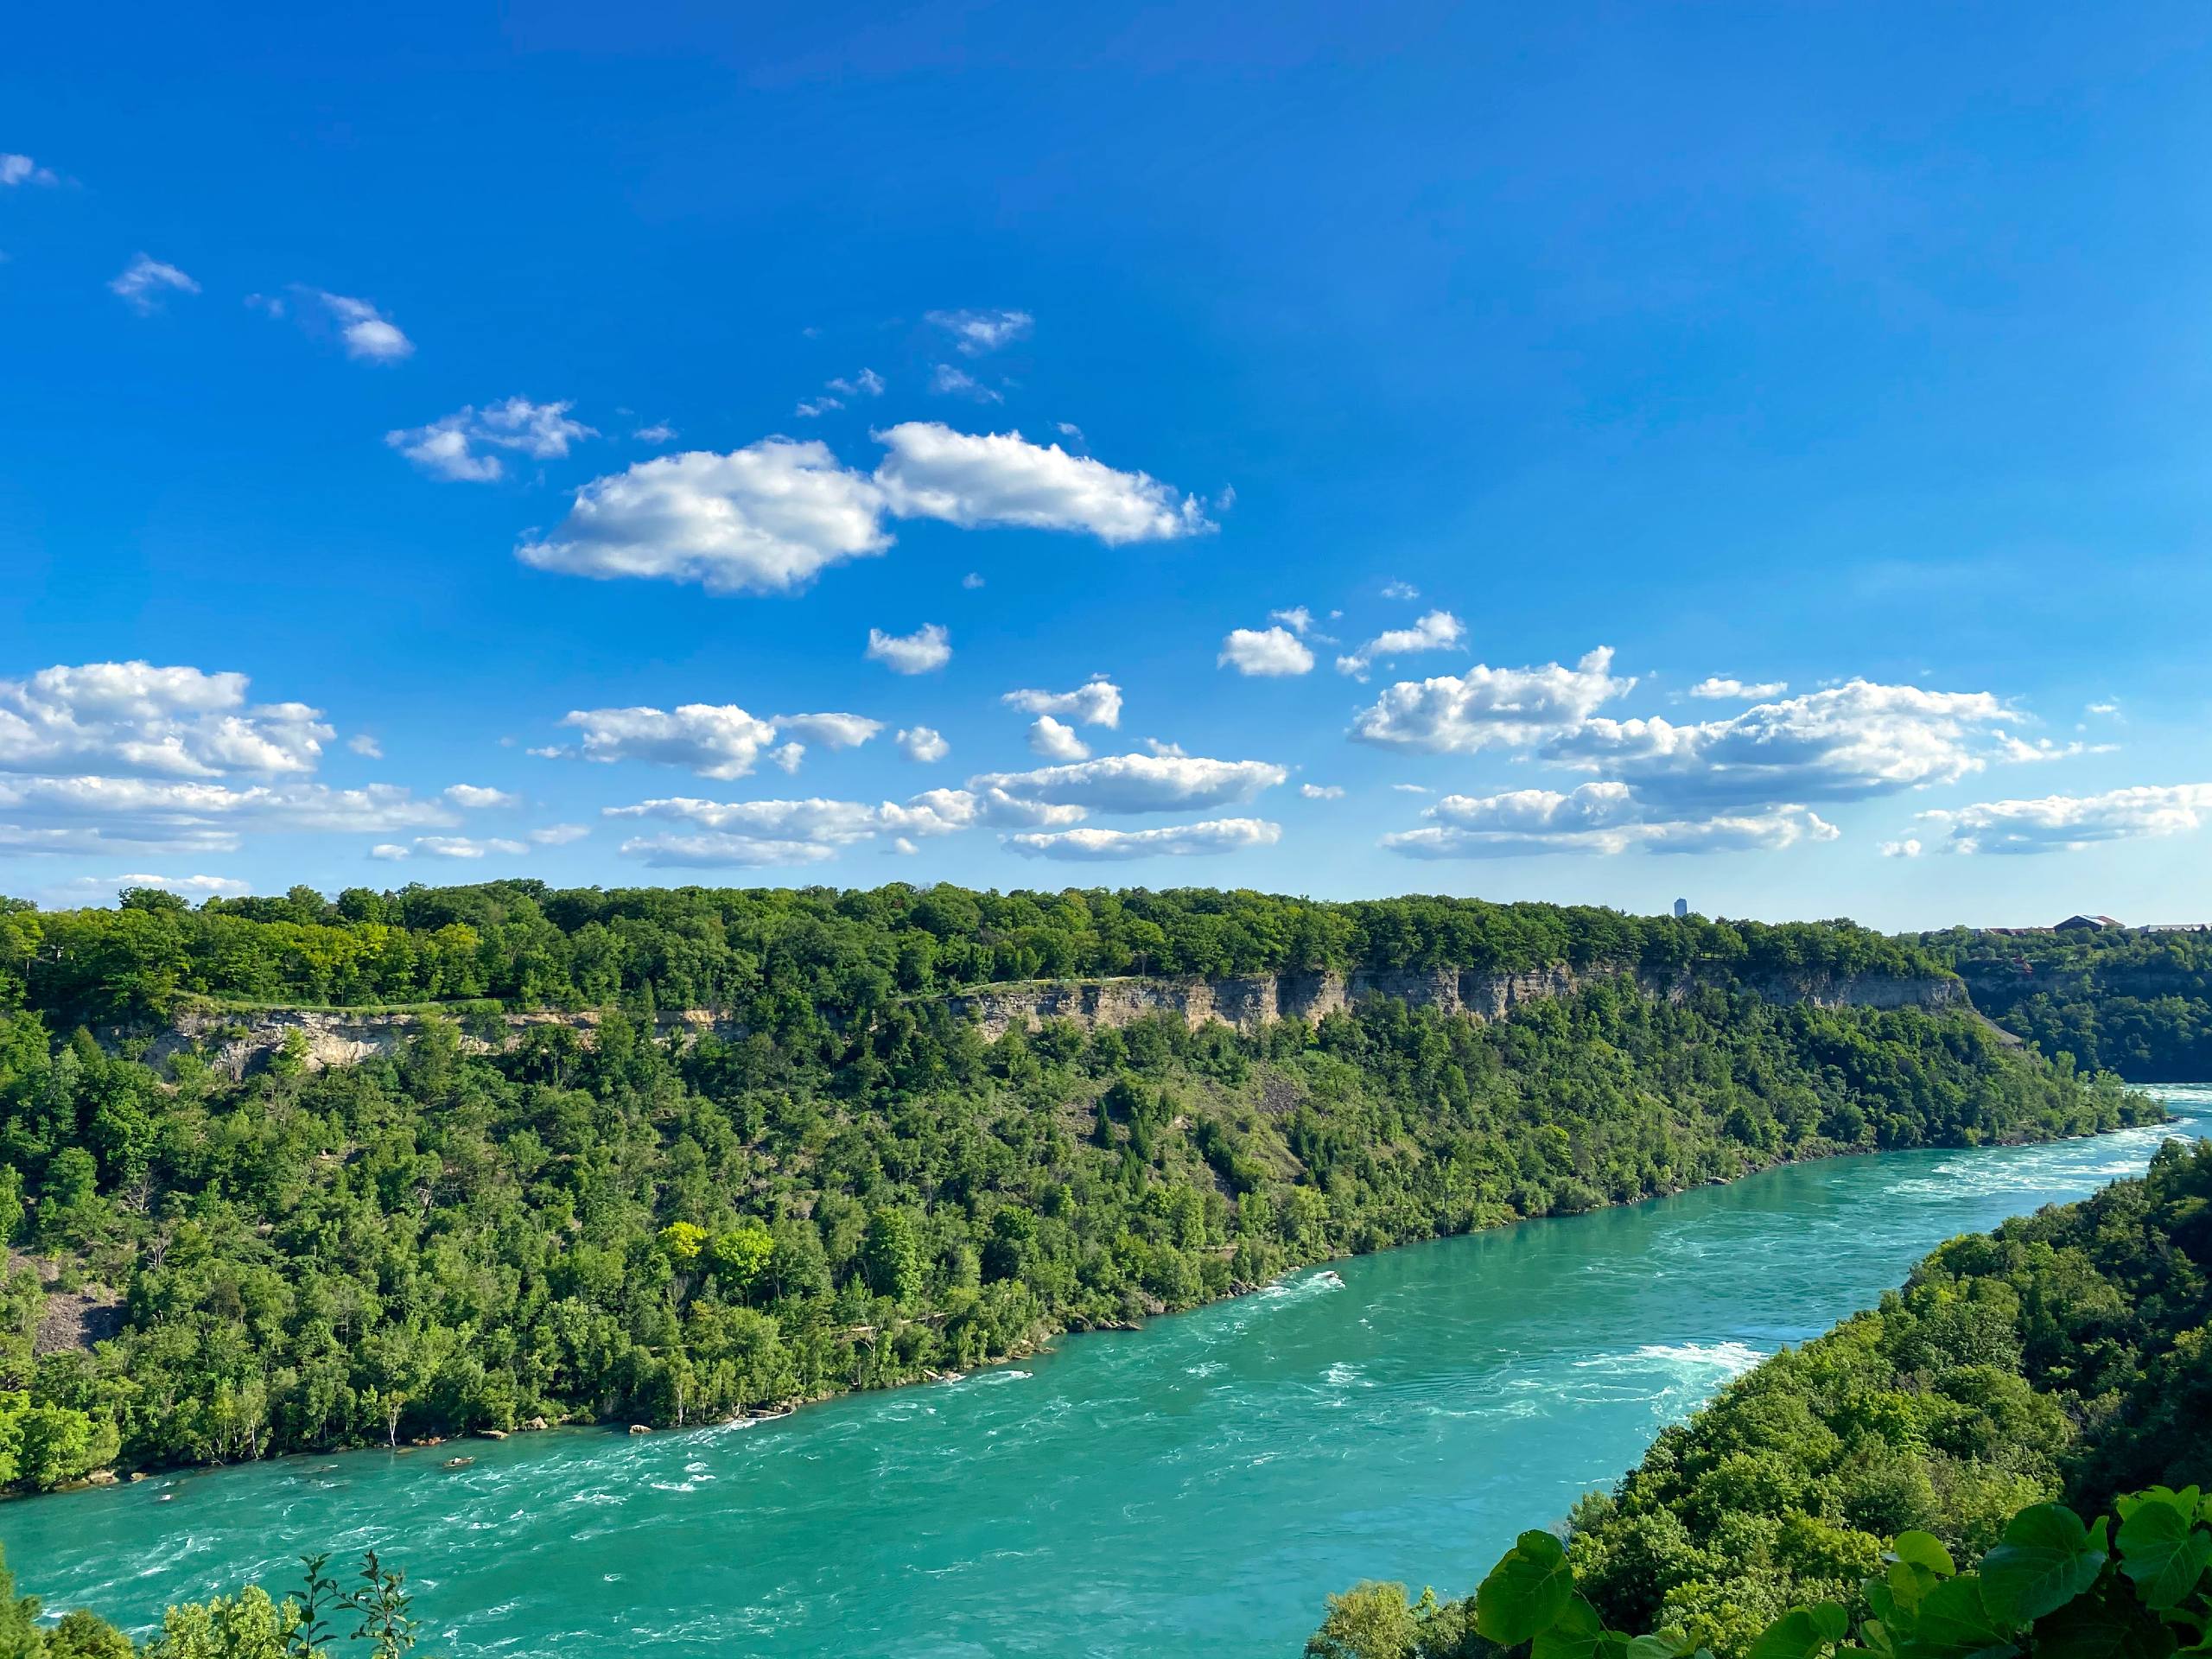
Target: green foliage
pixel 2050 1590
pixel 2139 1004
pixel 1375 1621
pixel 529 945
pixel 849 1187
pixel 79 1634
pixel 1525 1593
pixel 2061 1358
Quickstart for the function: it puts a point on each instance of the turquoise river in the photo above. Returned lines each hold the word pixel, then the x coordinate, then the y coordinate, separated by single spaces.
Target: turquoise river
pixel 1190 1489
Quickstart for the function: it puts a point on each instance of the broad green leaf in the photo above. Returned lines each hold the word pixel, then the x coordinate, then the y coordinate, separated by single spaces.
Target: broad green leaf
pixel 1525 1593
pixel 1803 1632
pixel 1573 1635
pixel 2047 1559
pixel 2107 1625
pixel 1922 1549
pixel 1616 1644
pixel 1907 1584
pixel 2161 1552
pixel 1952 1624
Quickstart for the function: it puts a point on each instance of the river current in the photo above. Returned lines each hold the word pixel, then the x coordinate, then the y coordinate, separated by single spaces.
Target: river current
pixel 1193 1488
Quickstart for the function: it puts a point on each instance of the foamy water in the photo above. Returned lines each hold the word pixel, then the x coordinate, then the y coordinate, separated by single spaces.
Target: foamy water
pixel 1194 1487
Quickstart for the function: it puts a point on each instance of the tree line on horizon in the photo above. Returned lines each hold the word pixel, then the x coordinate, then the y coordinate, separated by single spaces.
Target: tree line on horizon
pixel 523 944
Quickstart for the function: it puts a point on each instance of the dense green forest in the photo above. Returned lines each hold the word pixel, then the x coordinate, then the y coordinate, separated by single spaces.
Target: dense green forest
pixel 2139 1004
pixel 848 952
pixel 664 1231
pixel 2067 1355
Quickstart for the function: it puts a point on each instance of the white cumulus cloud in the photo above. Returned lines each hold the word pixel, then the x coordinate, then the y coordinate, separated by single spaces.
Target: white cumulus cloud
pixel 713 739
pixel 1097 702
pixel 92 814
pixel 752 834
pixel 835 731
pixel 766 518
pixel 1599 818
pixel 2071 822
pixel 1056 741
pixel 769 517
pixel 1268 651
pixel 467 846
pixel 1486 707
pixel 1322 791
pixel 476 796
pixel 1718 688
pixel 1844 743
pixel 928 648
pixel 1135 783
pixel 139 718
pixel 1181 841
pixel 924 743
pixel 974 479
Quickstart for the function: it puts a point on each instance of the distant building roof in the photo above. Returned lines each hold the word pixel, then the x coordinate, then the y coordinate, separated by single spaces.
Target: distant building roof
pixel 2173 927
pixel 2077 922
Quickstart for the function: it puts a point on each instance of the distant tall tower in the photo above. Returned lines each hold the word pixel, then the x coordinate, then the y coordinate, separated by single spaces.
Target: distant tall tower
pixel 1681 907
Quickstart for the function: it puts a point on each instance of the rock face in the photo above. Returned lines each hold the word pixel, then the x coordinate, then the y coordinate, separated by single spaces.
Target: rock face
pixel 1249 1003
pixel 238 1043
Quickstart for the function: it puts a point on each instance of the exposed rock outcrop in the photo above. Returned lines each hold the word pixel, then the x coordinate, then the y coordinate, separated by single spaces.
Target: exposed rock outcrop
pixel 237 1042
pixel 1249 1003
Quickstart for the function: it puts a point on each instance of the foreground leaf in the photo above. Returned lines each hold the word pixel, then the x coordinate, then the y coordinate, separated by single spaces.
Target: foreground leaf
pixel 1952 1624
pixel 1804 1633
pixel 2047 1559
pixel 2162 1552
pixel 1573 1635
pixel 1525 1593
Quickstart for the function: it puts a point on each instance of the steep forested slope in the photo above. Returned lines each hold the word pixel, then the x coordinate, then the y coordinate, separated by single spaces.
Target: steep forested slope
pixel 2139 1004
pixel 857 1191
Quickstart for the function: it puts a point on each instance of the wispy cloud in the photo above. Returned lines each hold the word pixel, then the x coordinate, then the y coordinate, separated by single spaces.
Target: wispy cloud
pixel 146 282
pixel 370 336
pixel 976 332
pixel 453 446
pixel 21 169
pixel 1437 631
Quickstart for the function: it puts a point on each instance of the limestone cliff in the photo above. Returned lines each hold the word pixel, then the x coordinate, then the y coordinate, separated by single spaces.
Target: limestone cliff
pixel 237 1042
pixel 1249 1003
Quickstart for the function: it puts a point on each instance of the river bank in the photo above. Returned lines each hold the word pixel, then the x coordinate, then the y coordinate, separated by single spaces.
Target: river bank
pixel 1033 1341
pixel 1192 1487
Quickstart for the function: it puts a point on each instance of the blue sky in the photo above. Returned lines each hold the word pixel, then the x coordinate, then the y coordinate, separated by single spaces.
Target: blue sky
pixel 411 395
